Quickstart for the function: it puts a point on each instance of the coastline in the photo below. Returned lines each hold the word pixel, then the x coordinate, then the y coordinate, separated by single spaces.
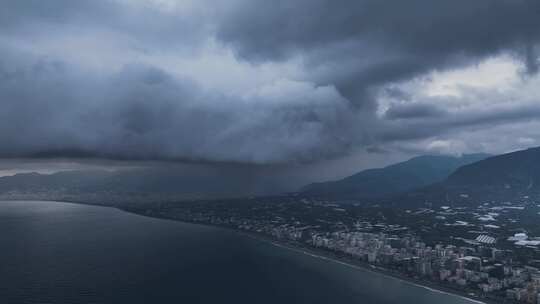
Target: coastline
pixel 375 269
pixel 329 256
pixel 308 251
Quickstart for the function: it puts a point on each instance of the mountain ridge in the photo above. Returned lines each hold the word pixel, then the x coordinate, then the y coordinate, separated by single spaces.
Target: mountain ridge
pixel 414 173
pixel 508 177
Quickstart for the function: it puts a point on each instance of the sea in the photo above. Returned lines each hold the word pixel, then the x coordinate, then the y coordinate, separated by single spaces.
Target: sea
pixel 53 252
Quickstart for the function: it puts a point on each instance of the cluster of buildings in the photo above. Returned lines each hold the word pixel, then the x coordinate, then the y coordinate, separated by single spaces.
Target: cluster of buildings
pixel 468 255
pixel 469 269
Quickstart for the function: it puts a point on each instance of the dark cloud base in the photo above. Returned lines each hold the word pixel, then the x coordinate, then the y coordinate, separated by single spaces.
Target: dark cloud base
pixel 349 52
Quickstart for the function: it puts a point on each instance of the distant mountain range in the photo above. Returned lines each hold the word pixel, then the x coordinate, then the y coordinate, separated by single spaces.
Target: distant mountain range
pixel 398 178
pixel 160 183
pixel 507 177
pixel 420 181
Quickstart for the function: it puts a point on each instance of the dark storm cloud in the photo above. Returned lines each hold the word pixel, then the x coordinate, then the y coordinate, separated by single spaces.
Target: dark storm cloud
pixel 369 42
pixel 414 110
pixel 432 125
pixel 142 112
pixel 431 28
pixel 60 96
pixel 359 46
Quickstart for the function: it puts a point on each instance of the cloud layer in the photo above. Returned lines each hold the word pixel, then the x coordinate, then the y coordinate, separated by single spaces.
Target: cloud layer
pixel 265 82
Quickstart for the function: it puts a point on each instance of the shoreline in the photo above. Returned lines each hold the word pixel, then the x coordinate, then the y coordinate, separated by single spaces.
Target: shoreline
pixel 329 256
pixel 374 270
pixel 311 252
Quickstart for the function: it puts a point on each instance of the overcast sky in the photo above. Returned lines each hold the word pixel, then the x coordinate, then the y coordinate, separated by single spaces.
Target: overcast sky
pixel 331 86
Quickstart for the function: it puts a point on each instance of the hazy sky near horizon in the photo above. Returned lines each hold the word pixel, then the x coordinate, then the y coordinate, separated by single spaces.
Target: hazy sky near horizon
pixel 340 86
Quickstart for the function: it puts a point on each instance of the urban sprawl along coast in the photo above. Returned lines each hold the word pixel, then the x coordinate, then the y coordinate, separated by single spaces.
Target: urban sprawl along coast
pixel 488 252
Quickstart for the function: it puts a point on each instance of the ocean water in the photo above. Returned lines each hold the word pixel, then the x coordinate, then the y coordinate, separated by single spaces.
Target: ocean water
pixel 66 253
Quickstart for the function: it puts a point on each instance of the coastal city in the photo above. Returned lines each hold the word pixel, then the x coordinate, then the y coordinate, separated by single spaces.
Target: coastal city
pixel 270 152
pixel 489 252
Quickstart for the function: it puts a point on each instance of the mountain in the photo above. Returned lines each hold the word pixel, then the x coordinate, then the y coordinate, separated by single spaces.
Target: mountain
pixel 66 180
pixel 507 177
pixel 401 177
pixel 160 183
